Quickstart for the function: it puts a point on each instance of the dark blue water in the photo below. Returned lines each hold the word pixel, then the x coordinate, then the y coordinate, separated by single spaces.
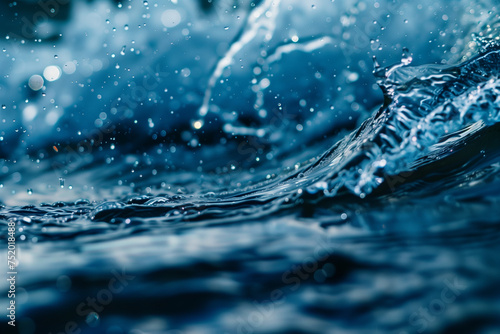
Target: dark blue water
pixel 251 167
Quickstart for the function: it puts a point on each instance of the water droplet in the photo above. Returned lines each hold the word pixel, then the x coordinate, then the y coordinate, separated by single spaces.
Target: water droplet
pixel 4 106
pixel 125 27
pixel 92 319
pixel 406 58
pixel 198 124
pixel 61 182
pixel 226 28
pixel 30 191
pixel 56 56
pixel 52 73
pixel 36 82
pixel 146 3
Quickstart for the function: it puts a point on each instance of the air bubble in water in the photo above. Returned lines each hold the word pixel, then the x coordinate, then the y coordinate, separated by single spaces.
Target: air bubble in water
pixel 61 182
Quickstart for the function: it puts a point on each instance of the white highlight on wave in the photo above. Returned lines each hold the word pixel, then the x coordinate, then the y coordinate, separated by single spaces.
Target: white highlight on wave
pixel 262 17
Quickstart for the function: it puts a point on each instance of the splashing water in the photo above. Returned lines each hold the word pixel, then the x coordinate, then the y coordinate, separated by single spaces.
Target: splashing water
pixel 221 167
